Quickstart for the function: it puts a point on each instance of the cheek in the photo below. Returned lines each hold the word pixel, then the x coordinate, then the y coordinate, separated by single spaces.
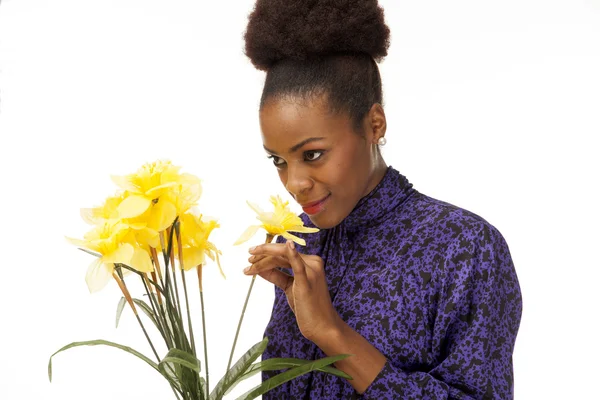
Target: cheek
pixel 350 170
pixel 282 176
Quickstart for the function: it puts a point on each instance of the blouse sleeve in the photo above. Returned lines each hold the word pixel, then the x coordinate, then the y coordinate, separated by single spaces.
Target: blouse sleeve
pixel 477 320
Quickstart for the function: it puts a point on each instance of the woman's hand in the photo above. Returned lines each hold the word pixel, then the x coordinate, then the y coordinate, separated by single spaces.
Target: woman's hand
pixel 306 291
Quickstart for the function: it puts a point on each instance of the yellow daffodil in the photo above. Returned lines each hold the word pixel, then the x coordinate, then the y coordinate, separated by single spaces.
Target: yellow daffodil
pixel 186 194
pixel 156 194
pixel 279 222
pixel 194 240
pixel 113 243
pixel 108 210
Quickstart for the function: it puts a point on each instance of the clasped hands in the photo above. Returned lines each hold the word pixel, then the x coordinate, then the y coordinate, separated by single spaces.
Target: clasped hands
pixel 307 293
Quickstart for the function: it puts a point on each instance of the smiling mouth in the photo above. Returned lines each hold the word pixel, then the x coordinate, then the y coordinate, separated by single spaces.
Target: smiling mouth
pixel 315 207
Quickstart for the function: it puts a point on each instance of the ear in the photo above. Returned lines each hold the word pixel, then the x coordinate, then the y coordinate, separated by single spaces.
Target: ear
pixel 375 123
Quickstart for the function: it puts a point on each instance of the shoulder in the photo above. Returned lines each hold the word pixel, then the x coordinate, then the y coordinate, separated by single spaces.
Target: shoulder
pixel 442 220
pixel 469 247
pixel 443 238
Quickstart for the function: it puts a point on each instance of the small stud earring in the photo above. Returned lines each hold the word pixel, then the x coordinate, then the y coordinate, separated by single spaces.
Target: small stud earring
pixel 382 141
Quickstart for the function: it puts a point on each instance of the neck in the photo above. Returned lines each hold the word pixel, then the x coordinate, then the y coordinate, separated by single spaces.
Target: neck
pixel 377 175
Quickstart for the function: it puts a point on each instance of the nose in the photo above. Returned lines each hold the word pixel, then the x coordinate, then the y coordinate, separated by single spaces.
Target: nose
pixel 298 181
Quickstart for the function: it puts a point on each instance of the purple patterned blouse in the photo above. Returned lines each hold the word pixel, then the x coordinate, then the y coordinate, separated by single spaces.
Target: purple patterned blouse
pixel 430 285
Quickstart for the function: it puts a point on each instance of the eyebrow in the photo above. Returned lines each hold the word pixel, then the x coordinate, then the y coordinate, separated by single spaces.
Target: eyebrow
pixel 298 146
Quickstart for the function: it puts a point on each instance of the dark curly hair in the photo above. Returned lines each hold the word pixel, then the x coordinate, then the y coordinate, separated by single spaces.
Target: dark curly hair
pixel 315 47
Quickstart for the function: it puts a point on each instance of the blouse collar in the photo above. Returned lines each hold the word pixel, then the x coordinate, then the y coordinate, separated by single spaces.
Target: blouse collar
pixel 393 189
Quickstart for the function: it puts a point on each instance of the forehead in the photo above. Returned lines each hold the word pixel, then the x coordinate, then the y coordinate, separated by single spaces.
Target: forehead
pixel 288 121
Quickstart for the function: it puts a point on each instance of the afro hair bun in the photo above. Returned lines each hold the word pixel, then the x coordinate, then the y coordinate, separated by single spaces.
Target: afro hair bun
pixel 301 29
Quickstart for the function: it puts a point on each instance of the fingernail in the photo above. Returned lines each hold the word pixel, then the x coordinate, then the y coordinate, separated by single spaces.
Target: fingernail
pixel 251 249
pixel 246 270
pixel 290 244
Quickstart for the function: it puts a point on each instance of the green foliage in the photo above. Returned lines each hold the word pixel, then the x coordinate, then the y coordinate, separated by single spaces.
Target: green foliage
pixel 180 366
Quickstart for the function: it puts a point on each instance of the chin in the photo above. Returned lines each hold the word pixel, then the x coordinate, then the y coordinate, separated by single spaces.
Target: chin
pixel 323 221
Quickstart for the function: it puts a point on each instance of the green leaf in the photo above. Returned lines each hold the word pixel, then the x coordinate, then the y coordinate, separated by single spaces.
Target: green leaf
pixel 202 392
pixel 275 364
pixel 120 307
pixel 280 379
pixel 180 357
pixel 148 311
pixel 238 369
pixel 176 326
pixel 103 343
pixel 183 368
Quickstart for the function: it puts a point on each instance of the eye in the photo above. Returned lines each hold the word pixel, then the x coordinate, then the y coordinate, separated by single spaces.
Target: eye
pixel 312 155
pixel 277 161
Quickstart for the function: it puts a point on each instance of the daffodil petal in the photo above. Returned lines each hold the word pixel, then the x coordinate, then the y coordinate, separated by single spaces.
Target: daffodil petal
pixel 148 237
pixel 302 229
pixel 137 225
pixel 122 255
pixel 296 239
pixel 133 206
pixel 154 242
pixel 158 190
pixel 251 231
pixel 87 214
pixel 83 243
pixel 219 264
pixel 98 275
pixel 162 216
pixel 141 261
pixel 125 183
pixel 192 188
pixel 77 242
pixel 267 218
pixel 192 257
pixel 255 207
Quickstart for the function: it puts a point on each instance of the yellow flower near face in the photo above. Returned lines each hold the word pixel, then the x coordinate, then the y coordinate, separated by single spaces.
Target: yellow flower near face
pixel 156 194
pixel 279 222
pixel 194 239
pixel 114 244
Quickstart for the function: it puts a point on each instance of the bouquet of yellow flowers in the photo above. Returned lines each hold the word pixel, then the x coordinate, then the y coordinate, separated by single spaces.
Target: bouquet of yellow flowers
pixel 150 230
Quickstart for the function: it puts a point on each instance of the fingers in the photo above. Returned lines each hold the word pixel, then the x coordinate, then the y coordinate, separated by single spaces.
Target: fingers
pixel 264 263
pixel 279 278
pixel 269 249
pixel 297 264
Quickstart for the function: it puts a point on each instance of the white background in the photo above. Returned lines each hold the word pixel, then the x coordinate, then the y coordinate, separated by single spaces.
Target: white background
pixel 491 106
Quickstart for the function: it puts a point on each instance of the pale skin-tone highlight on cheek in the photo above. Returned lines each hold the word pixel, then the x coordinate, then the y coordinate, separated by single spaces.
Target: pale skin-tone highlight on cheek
pixel 319 156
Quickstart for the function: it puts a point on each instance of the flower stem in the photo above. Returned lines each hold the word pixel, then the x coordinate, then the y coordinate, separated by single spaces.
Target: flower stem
pixel 173 304
pixel 156 263
pixel 199 268
pixel 123 288
pixel 268 240
pixel 158 305
pixel 163 331
pixel 181 268
pixel 173 270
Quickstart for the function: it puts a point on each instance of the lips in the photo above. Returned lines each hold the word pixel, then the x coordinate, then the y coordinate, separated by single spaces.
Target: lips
pixel 315 206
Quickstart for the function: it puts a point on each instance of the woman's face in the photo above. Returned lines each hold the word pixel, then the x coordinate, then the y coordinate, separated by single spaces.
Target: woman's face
pixel 322 162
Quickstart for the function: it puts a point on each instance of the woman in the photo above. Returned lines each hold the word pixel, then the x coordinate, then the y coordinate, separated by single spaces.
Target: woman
pixel 422 293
